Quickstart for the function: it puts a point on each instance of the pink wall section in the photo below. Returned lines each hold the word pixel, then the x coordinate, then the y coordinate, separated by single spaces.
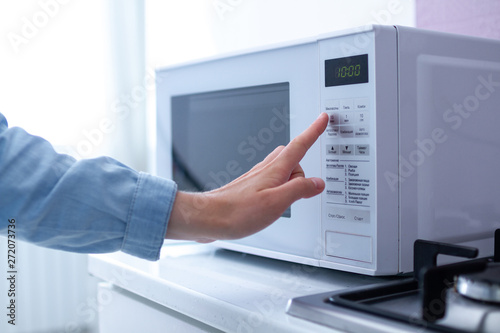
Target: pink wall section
pixel 469 17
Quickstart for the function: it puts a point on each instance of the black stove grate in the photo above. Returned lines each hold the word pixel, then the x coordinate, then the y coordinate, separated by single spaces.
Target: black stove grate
pixel 428 285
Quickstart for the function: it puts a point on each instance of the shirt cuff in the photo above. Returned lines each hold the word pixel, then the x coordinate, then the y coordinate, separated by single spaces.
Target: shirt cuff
pixel 148 216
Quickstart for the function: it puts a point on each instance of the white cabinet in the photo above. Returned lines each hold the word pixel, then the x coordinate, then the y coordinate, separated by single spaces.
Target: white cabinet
pixel 199 288
pixel 126 312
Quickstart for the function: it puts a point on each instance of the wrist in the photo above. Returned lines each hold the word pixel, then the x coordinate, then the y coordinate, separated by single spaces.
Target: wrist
pixel 194 217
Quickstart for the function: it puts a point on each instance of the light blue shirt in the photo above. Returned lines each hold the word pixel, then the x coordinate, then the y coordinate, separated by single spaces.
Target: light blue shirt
pixel 87 206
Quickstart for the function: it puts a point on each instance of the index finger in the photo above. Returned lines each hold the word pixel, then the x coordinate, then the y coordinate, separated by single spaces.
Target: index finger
pixel 298 147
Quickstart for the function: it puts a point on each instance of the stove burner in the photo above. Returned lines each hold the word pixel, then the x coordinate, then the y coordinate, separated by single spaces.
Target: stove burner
pixel 481 286
pixel 426 302
pixel 429 283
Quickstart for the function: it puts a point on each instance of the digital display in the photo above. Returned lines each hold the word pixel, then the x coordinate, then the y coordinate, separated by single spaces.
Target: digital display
pixel 348 70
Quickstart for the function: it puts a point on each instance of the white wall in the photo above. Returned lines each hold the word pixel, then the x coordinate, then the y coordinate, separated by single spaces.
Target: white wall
pixel 183 30
pixel 68 67
pixel 54 72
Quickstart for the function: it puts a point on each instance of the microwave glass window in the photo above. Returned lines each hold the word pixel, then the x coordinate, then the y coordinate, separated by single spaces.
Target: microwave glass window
pixel 217 136
pixel 348 70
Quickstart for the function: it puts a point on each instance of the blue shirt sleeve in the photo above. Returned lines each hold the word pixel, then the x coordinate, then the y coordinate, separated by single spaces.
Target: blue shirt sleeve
pixel 87 206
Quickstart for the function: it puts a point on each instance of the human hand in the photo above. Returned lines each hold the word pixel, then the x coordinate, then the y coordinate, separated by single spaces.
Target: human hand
pixel 251 202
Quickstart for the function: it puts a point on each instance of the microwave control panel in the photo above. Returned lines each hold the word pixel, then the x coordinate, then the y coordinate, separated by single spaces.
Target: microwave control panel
pixel 348 151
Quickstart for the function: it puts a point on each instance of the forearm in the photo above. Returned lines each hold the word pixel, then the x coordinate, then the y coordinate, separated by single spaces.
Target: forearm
pixel 89 206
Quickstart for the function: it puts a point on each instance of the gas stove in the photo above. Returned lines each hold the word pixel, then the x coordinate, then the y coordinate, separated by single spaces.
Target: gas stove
pixel 459 297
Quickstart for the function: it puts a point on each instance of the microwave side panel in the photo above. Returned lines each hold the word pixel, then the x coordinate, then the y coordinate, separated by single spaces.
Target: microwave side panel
pixel 295 238
pixel 450 147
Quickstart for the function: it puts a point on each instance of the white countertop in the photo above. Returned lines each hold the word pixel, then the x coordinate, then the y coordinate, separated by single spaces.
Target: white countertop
pixel 231 291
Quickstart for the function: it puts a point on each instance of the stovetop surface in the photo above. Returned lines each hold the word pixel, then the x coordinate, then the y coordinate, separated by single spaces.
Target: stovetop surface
pixel 462 315
pixel 426 302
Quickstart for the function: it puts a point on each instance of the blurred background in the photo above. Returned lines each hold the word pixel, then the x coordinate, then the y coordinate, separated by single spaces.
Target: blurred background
pixel 81 74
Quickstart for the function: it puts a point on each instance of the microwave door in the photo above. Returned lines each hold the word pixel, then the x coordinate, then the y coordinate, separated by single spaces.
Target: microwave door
pixel 216 119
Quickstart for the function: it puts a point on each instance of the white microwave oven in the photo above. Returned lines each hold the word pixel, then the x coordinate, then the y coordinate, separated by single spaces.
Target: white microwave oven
pixel 412 149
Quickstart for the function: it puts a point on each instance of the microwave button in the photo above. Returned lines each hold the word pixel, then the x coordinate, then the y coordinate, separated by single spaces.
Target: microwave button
pixel 361 216
pixel 332 149
pixel 335 166
pixel 346 118
pixel 362 118
pixel 334 119
pixel 361 103
pixel 332 105
pixel 347 131
pixel 363 150
pixel 346 104
pixel 338 214
pixel 332 131
pixel 346 149
pixel 361 131
pixel 335 192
